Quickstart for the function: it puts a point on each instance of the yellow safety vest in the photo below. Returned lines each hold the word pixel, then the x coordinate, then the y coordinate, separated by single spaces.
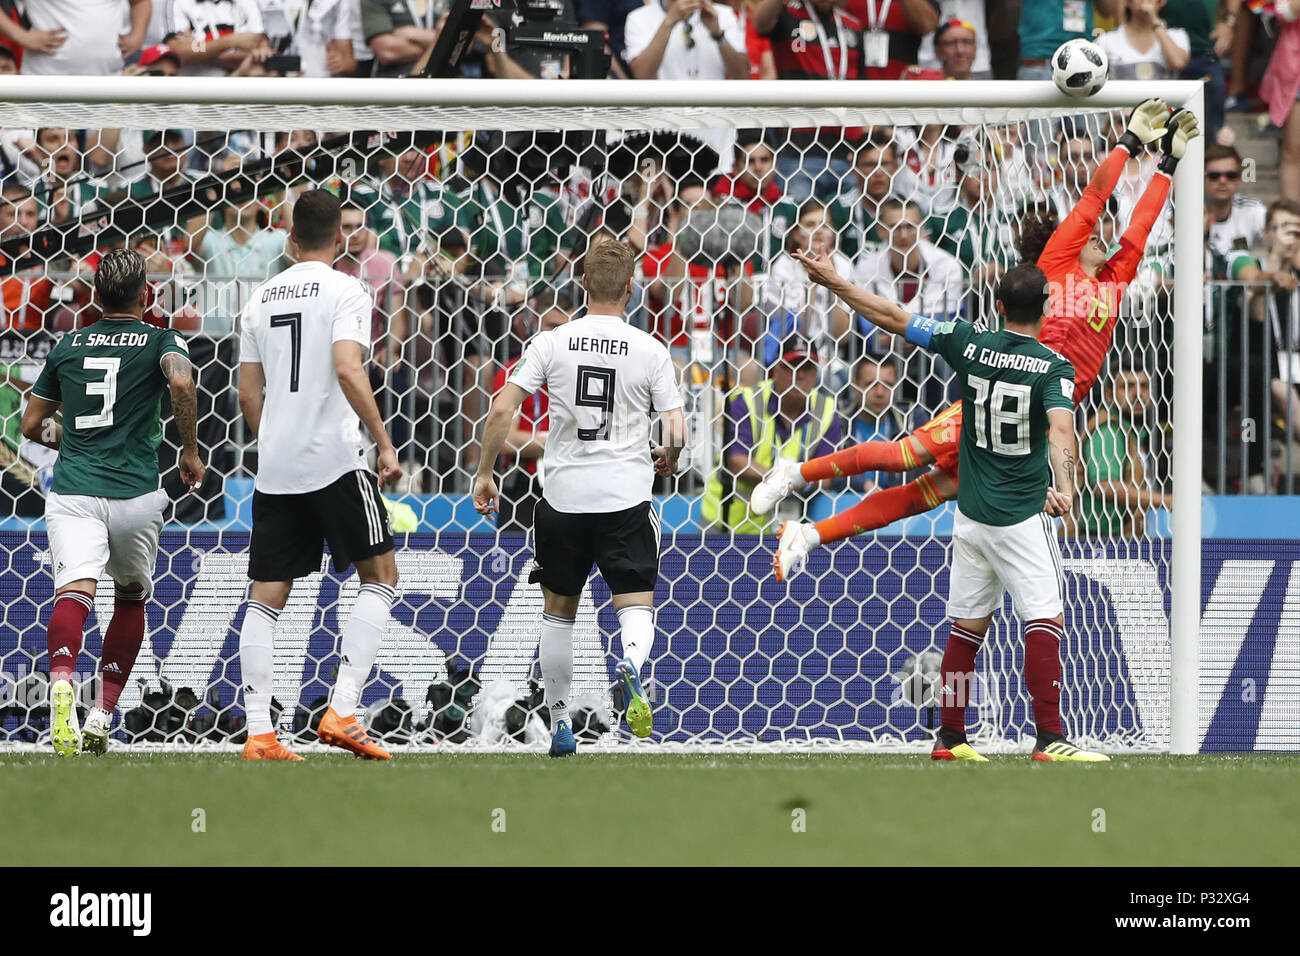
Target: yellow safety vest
pixel 727 495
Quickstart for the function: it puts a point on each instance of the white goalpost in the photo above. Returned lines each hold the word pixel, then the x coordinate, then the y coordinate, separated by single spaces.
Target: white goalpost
pixel 514 179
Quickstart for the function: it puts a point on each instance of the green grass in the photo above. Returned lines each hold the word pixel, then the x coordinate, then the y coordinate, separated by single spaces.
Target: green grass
pixel 663 809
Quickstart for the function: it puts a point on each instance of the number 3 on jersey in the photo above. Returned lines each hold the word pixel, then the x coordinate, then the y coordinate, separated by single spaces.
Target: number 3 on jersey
pixel 107 389
pixel 595 390
pixel 995 415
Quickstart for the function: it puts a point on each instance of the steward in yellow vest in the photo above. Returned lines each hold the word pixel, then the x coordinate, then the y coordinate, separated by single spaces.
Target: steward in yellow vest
pixel 785 416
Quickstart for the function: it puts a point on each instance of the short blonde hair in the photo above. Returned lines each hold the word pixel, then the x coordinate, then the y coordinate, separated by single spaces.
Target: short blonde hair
pixel 607 267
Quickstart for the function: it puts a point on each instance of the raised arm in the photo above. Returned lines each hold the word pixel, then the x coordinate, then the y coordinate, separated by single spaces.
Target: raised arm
pixel 1146 124
pixel 354 381
pixel 495 430
pixel 878 311
pixel 185 409
pixel 1061 449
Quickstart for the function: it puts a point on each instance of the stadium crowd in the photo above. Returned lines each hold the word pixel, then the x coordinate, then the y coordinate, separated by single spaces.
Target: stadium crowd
pixel 471 242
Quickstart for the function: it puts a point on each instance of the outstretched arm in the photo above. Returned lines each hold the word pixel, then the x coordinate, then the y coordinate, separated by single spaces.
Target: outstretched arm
pixel 1146 124
pixel 878 311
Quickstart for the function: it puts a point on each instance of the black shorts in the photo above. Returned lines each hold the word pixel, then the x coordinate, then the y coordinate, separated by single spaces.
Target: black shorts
pixel 623 544
pixel 289 530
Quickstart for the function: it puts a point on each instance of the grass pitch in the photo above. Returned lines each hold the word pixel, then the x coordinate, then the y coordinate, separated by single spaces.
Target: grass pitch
pixel 140 809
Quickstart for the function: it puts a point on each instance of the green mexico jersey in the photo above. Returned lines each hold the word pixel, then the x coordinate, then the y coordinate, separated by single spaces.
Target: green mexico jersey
pixel 1009 382
pixel 109 379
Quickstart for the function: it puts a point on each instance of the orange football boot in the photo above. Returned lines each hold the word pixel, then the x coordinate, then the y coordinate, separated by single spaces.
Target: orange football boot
pixel 267 747
pixel 347 733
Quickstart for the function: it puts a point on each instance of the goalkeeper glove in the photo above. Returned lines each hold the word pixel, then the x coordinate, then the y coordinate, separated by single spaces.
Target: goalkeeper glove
pixel 1182 130
pixel 1146 124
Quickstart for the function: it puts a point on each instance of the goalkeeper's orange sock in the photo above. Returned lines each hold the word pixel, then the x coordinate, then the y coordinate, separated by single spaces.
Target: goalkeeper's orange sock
pixel 956 682
pixel 1043 673
pixel 860 459
pixel 879 509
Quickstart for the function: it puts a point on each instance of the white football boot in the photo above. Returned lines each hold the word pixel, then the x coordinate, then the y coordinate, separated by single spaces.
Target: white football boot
pixel 783 478
pixel 797 539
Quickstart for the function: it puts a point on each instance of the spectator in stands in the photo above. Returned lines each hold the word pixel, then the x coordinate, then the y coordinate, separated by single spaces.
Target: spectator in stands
pixel 234 256
pixel 398 34
pixel 526 442
pixel 1238 220
pixel 25 40
pixel 971 13
pixel 753 182
pixel 796 305
pixel 1143 47
pixel 62 190
pixel 116 157
pixel 1046 24
pixel 892 33
pixel 216 37
pixel 1210 39
pixel 1280 89
pixel 685 40
pixel 784 416
pixel 26 295
pixel 684 296
pixel 610 16
pixel 878 174
pixel 319 33
pixel 874 415
pixel 380 272
pixel 976 230
pixel 758 49
pixel 1115 492
pixel 1280 307
pixel 955 47
pixel 928 153
pixel 8 62
pixel 1076 162
pixel 911 271
pixel 812 40
pixel 93 43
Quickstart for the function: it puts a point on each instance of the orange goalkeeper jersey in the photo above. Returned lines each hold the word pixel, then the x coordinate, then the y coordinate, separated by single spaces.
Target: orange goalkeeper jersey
pixel 1080 321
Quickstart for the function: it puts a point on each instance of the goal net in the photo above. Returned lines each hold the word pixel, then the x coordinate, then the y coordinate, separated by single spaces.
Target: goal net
pixel 468 211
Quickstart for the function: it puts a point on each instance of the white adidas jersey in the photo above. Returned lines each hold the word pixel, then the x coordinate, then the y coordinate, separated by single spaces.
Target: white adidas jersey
pixel 309 436
pixel 605 380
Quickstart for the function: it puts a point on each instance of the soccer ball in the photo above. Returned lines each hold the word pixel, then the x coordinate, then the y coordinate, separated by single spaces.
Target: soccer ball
pixel 1079 68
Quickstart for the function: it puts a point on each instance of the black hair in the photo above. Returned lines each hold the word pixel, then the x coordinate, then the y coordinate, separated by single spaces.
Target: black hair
pixel 316 218
pixel 1023 293
pixel 1037 224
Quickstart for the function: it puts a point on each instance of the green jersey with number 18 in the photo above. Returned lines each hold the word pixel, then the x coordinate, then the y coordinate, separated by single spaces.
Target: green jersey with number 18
pixel 1009 382
pixel 109 378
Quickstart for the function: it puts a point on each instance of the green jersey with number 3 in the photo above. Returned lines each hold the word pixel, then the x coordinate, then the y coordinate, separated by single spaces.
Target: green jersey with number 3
pixel 1009 382
pixel 109 378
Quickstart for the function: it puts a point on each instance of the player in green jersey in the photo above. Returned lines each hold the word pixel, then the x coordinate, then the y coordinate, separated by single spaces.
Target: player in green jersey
pixel 104 510
pixel 1016 475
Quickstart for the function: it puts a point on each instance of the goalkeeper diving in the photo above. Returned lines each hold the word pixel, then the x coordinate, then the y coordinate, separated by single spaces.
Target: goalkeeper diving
pixel 1086 286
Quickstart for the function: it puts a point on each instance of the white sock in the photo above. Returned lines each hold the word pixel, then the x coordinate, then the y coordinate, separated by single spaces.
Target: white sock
pixel 256 641
pixel 361 636
pixel 637 624
pixel 556 656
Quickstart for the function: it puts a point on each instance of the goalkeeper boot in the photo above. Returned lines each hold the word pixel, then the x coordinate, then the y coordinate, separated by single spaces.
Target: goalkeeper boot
pixel 783 478
pixel 65 731
pixel 562 742
pixel 267 747
pixel 1056 747
pixel 348 734
pixel 795 540
pixel 94 736
pixel 636 709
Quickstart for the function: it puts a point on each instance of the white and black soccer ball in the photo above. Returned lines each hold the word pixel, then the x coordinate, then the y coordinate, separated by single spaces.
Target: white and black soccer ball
pixel 1080 68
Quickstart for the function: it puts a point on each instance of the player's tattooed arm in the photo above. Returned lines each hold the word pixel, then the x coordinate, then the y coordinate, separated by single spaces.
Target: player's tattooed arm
pixel 1062 449
pixel 185 409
